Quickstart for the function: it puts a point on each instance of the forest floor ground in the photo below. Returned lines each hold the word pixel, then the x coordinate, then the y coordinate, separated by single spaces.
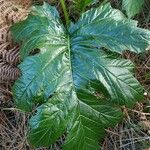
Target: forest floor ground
pixel 133 133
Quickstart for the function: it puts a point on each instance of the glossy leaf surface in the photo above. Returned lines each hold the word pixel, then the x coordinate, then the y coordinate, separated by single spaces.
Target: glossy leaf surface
pixel 78 85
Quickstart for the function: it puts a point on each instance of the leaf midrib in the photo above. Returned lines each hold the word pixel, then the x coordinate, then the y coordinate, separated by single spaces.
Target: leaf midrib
pixel 73 85
pixel 105 68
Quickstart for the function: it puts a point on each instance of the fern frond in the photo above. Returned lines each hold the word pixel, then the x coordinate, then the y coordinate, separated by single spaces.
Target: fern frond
pixel 4 46
pixel 10 56
pixel 24 3
pixel 8 72
pixel 12 12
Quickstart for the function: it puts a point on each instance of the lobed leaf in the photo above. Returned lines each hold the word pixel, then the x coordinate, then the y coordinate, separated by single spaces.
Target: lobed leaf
pixel 76 86
pixel 108 28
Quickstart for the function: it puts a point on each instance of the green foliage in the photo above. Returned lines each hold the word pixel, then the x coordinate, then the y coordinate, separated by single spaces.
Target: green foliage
pixel 77 87
pixel 132 7
pixel 80 5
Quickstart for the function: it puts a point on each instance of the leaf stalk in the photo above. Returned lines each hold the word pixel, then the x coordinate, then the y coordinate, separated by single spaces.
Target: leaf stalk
pixel 65 12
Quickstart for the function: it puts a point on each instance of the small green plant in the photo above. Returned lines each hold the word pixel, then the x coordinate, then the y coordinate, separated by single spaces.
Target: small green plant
pixel 80 5
pixel 132 7
pixel 77 82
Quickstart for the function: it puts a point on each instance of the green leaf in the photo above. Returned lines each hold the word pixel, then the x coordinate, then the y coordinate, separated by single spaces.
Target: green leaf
pixel 76 87
pixel 119 84
pixel 108 28
pixel 88 125
pixel 80 5
pixel 132 7
pixel 37 37
pixel 51 119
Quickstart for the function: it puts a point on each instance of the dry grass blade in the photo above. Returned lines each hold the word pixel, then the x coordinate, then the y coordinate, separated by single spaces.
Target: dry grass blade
pixel 132 133
pixel 13 131
pixel 131 137
pixel 5 94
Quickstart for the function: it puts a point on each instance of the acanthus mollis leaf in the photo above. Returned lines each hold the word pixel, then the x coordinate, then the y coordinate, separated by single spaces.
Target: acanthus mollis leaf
pixel 79 87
